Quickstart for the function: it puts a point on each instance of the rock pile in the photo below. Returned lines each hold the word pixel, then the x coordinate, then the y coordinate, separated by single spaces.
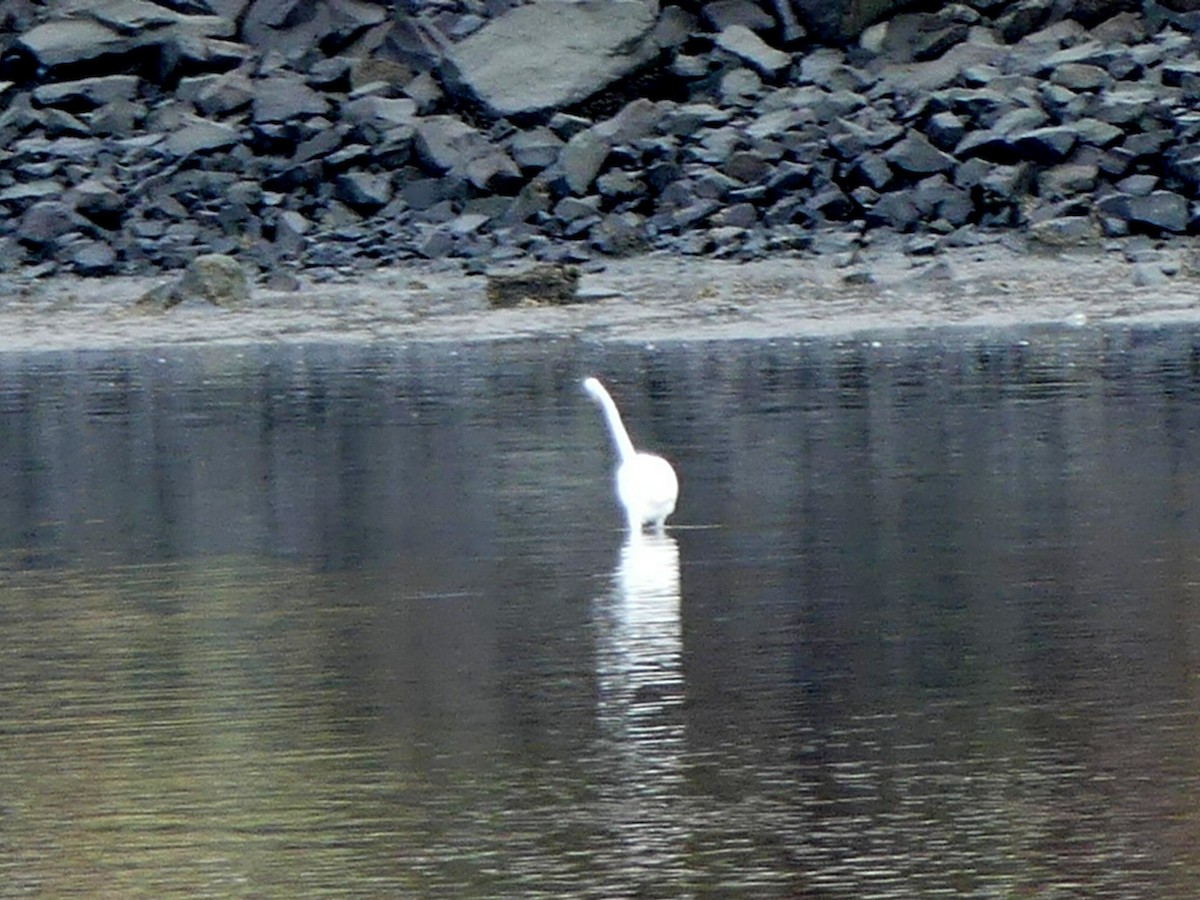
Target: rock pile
pixel 136 136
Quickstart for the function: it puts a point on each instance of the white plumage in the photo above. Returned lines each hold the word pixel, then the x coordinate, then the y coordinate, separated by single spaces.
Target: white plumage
pixel 646 484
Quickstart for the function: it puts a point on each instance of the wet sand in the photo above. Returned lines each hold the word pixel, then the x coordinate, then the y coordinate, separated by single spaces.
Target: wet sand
pixel 645 299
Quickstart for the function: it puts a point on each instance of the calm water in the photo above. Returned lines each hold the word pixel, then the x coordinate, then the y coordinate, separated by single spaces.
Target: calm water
pixel 286 622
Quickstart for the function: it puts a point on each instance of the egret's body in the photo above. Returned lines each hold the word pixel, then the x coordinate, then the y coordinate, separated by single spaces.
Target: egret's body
pixel 646 484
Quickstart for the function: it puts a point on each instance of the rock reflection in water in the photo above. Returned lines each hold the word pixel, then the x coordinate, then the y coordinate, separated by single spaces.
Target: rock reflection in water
pixel 641 692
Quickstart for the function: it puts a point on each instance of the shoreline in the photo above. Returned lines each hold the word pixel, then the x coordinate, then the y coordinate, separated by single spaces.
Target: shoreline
pixel 657 298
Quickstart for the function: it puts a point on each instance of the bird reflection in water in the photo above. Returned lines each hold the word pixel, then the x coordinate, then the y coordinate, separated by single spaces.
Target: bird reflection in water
pixel 640 708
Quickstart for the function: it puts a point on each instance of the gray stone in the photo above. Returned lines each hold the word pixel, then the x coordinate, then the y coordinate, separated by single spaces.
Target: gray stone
pixel 44 222
pixel 581 159
pixel 1064 231
pixel 1138 185
pixel 618 234
pixel 1175 72
pixel 747 167
pixel 1097 133
pixel 739 215
pixel 740 87
pixel 754 51
pixel 620 184
pixel 223 94
pixel 635 121
pixel 1067 180
pixel 447 142
pixel 285 99
pixel 532 58
pixel 383 114
pixel 492 170
pixel 535 149
pixel 1004 182
pixel 945 130
pixel 1159 211
pixel 93 258
pixel 119 119
pixel 364 191
pixel 96 199
pixel 23 192
pixel 87 92
pixel 212 278
pixel 720 14
pixel 896 209
pixel 1080 77
pixel 66 41
pixel 201 135
pixel 916 155
pixel 290 229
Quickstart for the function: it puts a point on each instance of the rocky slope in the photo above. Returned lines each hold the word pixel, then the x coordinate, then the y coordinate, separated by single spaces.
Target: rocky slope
pixel 339 134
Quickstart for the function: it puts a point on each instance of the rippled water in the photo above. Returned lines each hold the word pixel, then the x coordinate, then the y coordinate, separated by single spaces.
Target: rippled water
pixel 322 621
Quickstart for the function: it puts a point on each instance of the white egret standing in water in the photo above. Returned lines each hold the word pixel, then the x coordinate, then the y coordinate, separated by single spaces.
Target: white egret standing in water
pixel 646 484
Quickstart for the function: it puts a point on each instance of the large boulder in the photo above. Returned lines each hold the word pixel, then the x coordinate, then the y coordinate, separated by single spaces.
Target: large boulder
pixel 551 54
pixel 211 278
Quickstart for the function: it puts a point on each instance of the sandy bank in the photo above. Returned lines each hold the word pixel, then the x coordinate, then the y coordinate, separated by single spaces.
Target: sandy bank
pixel 645 299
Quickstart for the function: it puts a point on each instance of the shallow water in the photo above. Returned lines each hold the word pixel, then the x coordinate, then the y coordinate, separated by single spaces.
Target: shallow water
pixel 336 621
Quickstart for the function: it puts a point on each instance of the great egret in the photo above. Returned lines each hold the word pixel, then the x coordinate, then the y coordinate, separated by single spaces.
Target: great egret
pixel 646 484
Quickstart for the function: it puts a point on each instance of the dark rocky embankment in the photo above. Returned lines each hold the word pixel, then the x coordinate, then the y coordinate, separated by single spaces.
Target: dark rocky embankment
pixel 135 136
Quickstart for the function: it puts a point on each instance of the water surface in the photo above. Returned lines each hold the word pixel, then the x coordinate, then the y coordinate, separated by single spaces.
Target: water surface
pixel 338 621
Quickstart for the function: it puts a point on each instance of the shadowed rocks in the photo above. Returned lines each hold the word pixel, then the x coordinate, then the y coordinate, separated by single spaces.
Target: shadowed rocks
pixel 136 137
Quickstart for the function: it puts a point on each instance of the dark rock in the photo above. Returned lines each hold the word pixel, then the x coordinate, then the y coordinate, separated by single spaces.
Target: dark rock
pixel 1047 145
pixel 44 222
pixel 1175 72
pixel 945 130
pixel 747 167
pixel 97 200
pixel 1157 211
pixel 896 209
pixel 365 191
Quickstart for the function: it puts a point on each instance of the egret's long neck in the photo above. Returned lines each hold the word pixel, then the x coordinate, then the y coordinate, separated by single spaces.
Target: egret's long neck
pixel 615 425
